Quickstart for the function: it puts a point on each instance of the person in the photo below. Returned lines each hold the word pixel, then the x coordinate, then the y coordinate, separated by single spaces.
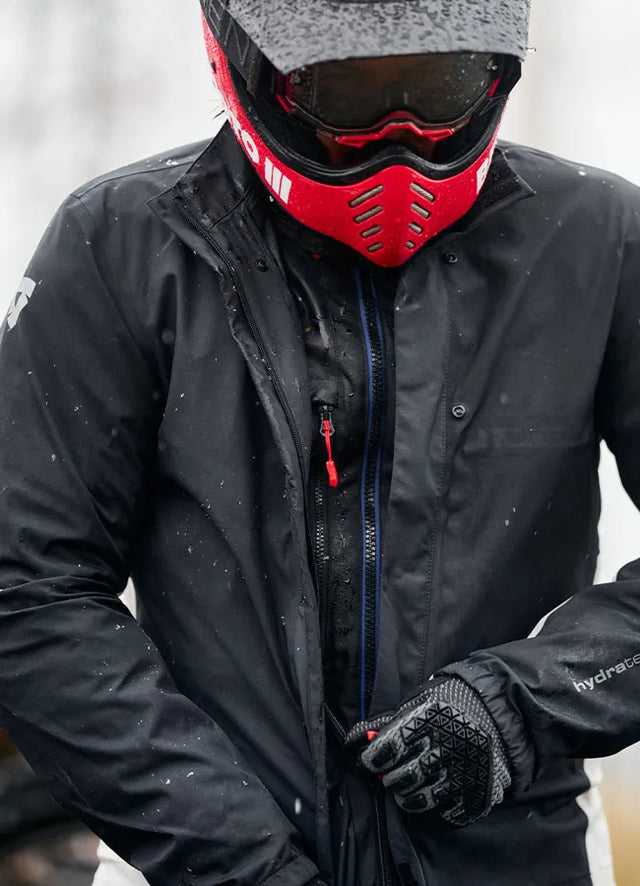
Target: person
pixel 331 389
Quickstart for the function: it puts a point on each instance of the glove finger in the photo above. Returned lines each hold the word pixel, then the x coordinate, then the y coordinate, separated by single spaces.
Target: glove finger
pixel 384 752
pixel 405 779
pixel 428 798
pixel 423 771
pixel 406 733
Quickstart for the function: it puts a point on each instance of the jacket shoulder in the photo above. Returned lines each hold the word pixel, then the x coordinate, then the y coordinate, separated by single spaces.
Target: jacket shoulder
pixel 106 241
pixel 136 183
pixel 549 174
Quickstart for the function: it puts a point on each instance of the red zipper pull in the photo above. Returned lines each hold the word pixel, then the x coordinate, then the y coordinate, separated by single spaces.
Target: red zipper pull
pixel 327 430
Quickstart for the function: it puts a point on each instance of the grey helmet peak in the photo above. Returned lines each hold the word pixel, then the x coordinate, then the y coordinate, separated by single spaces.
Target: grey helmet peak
pixel 294 33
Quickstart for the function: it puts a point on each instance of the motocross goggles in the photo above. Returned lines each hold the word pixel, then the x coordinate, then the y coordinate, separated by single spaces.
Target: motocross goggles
pixel 357 101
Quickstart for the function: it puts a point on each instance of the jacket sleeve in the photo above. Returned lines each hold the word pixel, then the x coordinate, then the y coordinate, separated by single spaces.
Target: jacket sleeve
pixel 84 693
pixel 574 689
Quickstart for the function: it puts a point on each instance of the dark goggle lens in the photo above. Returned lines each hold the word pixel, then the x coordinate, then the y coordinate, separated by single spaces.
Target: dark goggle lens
pixel 358 93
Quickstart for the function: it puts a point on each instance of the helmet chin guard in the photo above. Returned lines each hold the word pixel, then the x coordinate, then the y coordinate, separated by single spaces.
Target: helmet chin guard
pixel 385 208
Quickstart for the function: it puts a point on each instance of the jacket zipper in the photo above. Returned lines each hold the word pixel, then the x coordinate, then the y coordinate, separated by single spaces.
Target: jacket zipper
pixel 370 488
pixel 384 848
pixel 325 473
pixel 371 533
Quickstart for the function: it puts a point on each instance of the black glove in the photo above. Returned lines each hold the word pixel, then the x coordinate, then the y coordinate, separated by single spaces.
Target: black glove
pixel 441 751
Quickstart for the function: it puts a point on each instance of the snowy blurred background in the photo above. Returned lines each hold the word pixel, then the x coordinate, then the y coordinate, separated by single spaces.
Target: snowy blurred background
pixel 91 86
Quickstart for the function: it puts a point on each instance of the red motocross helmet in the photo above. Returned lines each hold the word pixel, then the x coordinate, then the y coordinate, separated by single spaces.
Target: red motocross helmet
pixel 291 78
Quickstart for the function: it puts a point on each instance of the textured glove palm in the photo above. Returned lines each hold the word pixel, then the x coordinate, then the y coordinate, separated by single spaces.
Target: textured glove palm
pixel 441 751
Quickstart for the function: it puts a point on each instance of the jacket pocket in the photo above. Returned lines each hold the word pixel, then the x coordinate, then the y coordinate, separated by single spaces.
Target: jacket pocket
pixel 523 431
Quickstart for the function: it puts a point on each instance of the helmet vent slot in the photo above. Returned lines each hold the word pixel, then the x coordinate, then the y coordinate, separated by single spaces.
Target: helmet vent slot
pixel 422 192
pixel 421 210
pixel 416 228
pixel 366 195
pixel 375 247
pixel 410 244
pixel 365 216
pixel 371 231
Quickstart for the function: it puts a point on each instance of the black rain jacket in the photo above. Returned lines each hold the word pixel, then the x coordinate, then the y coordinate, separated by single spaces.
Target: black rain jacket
pixel 155 421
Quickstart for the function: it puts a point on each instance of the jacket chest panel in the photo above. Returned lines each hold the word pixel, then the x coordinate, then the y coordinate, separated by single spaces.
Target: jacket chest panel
pixel 495 455
pixel 529 329
pixel 521 455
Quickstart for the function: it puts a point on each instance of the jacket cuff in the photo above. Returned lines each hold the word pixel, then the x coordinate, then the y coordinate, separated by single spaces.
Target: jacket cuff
pixel 494 692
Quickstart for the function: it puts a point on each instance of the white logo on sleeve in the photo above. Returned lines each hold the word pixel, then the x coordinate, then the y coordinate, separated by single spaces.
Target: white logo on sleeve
pixel 21 300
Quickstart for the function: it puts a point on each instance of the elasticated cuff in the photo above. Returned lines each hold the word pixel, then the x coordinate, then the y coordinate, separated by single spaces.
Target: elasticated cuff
pixel 493 690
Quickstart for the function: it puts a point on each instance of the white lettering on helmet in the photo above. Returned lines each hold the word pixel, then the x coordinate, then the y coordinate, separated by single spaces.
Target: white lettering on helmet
pixel 245 138
pixel 235 123
pixel 21 300
pixel 482 173
pixel 277 180
pixel 274 177
pixel 250 147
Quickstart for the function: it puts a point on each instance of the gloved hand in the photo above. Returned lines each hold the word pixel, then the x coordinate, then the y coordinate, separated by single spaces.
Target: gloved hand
pixel 440 751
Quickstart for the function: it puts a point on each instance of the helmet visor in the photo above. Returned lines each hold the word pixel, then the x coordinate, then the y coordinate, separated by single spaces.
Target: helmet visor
pixel 436 90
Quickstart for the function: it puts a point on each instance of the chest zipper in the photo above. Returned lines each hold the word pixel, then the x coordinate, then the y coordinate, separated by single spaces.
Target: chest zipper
pixel 371 532
pixel 325 473
pixel 370 487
